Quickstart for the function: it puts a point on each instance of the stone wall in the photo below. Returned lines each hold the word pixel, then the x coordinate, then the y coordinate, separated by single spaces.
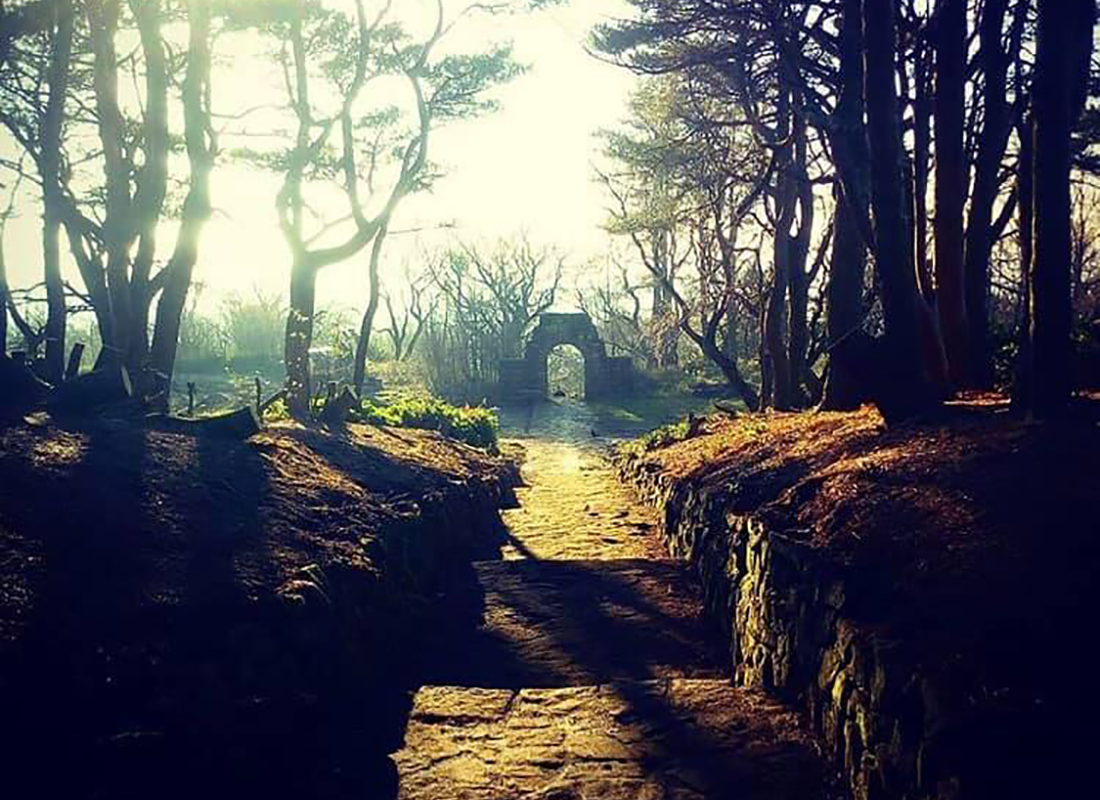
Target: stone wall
pixel 891 724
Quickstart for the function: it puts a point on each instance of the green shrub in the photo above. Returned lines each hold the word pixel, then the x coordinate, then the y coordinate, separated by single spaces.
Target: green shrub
pixel 476 426
pixel 663 437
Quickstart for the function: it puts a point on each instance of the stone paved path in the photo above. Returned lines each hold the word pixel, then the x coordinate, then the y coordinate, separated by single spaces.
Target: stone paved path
pixel 588 673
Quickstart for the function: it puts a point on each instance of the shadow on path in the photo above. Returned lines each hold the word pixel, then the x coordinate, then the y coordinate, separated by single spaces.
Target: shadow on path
pixel 594 677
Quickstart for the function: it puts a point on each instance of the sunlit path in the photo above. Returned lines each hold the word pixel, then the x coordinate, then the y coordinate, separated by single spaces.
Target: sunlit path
pixel 589 672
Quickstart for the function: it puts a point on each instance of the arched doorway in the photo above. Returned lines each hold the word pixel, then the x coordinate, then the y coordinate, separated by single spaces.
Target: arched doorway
pixel 526 379
pixel 565 372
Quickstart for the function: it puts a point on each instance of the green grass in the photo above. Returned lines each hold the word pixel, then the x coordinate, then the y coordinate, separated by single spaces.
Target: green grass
pixel 474 425
pixel 648 411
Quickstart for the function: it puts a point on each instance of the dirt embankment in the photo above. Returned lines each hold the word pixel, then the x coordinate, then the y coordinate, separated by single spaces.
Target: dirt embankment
pixel 927 591
pixel 180 615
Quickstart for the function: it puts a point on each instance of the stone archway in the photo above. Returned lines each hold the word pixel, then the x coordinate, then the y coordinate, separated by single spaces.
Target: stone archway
pixel 525 379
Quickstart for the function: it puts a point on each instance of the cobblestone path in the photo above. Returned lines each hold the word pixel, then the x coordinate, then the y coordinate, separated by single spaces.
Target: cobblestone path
pixel 588 673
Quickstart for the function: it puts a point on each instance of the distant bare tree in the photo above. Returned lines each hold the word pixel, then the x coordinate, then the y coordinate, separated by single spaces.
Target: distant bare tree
pixel 408 317
pixel 521 281
pixel 488 301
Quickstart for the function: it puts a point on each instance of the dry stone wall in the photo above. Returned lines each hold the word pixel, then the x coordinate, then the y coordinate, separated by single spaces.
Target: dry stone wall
pixel 886 719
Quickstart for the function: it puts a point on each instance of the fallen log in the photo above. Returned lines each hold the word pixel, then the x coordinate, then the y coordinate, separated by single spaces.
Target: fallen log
pixel 239 424
pixel 91 391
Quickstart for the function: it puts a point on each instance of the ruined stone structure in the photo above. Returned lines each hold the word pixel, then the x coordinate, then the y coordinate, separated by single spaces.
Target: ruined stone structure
pixel 525 379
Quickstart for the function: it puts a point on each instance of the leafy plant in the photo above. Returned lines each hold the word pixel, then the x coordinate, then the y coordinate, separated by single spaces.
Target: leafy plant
pixel 475 425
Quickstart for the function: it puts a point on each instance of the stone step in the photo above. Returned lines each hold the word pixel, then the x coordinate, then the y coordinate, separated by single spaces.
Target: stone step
pixel 533 623
pixel 652 740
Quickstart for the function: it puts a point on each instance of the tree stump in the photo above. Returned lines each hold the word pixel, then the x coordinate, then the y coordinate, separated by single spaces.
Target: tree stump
pixel 336 410
pixel 76 355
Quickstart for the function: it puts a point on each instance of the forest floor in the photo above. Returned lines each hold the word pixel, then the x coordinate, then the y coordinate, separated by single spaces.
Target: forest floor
pixel 578 665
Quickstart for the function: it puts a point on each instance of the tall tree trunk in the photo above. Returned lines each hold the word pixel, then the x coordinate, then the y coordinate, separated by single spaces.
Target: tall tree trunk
pixel 299 337
pixel 152 180
pixel 362 346
pixel 775 351
pixel 303 274
pixel 775 315
pixel 922 145
pixel 730 343
pixel 5 293
pixel 844 295
pixel 50 168
pixel 844 291
pixel 993 60
pixel 799 342
pixel 197 206
pixel 906 390
pixel 951 184
pixel 1025 190
pixel 1061 73
pixel 117 227
pixel 668 334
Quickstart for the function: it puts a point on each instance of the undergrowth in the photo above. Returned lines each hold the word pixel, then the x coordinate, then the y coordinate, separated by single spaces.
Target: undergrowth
pixel 475 425
pixel 662 437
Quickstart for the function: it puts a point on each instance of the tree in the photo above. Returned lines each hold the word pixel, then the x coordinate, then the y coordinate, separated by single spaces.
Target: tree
pixel 410 310
pixel 38 58
pixel 112 227
pixel 651 197
pixel 683 178
pixel 1061 87
pixel 362 345
pixel 487 302
pixel 5 290
pixel 61 46
pixel 201 151
pixel 769 65
pixel 517 280
pixel 907 387
pixel 846 132
pixel 999 116
pixel 951 184
pixel 329 58
pixel 771 62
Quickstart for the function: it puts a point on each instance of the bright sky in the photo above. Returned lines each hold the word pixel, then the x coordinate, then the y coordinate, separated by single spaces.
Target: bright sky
pixel 526 168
